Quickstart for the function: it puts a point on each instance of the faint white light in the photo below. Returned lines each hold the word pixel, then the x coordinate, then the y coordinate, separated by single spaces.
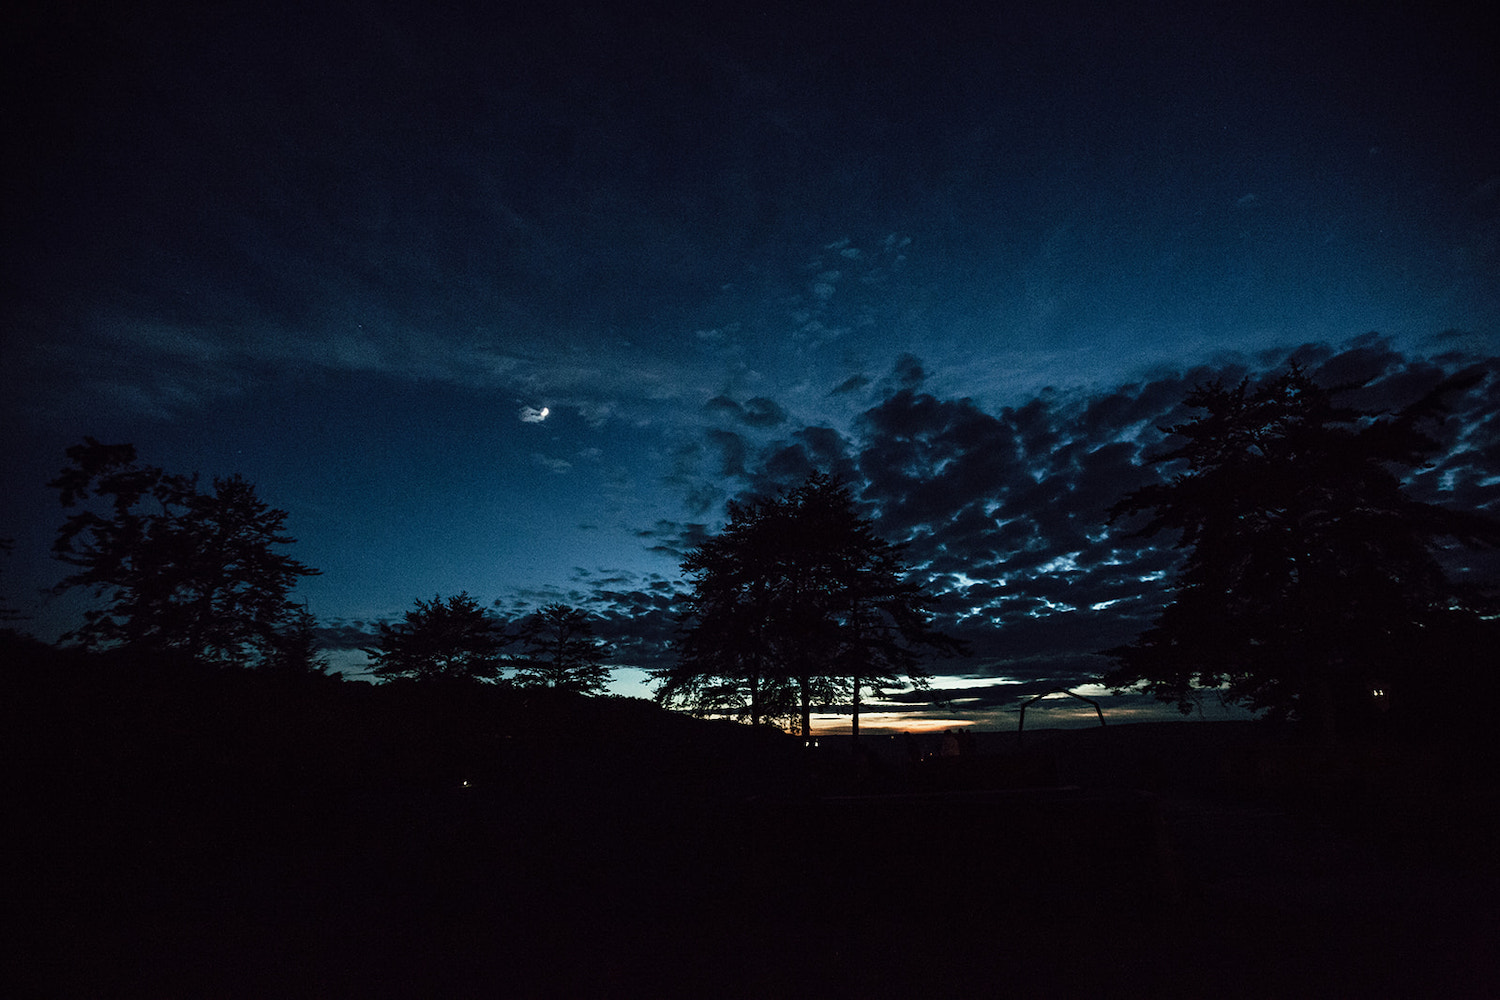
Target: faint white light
pixel 1062 564
pixel 534 415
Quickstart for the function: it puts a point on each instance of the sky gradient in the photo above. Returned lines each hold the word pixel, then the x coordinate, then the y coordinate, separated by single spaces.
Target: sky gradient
pixel 969 259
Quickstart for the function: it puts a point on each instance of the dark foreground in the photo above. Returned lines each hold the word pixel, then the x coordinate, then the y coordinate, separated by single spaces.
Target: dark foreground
pixel 252 844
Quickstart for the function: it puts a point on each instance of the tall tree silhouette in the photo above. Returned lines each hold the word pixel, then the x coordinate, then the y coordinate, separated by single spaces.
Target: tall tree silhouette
pixel 798 603
pixel 453 640
pixel 183 570
pixel 561 651
pixel 1309 569
pixel 728 663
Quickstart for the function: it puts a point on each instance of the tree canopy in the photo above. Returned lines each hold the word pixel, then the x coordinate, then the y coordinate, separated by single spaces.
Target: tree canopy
pixel 440 640
pixel 295 652
pixel 183 570
pixel 796 603
pixel 560 650
pixel 1311 575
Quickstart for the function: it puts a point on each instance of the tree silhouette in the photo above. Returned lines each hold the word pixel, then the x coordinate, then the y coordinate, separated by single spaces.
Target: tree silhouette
pixel 1309 569
pixel 294 652
pixel 184 571
pixel 561 651
pixel 727 662
pixel 440 641
pixel 797 602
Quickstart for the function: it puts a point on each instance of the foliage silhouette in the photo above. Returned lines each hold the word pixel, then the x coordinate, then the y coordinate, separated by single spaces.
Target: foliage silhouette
pixel 561 651
pixel 727 661
pixel 185 571
pixel 294 651
pixel 440 641
pixel 797 603
pixel 1310 572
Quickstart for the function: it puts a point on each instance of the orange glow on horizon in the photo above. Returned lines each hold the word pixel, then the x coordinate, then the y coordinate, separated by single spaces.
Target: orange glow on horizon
pixel 884 723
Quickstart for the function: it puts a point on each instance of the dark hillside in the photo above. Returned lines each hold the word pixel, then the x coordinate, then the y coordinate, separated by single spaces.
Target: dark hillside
pixel 176 831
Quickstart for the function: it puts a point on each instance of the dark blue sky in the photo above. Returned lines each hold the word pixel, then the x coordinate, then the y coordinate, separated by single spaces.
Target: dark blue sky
pixel 967 257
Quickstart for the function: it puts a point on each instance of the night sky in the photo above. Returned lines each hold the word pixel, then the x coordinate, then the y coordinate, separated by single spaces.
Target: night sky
pixel 513 300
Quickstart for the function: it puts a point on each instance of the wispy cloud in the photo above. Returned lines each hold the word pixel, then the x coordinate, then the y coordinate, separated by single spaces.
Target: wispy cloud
pixel 557 466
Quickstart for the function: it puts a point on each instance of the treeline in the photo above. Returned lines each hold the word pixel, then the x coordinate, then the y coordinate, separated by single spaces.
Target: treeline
pixel 797 605
pixel 1313 586
pixel 187 572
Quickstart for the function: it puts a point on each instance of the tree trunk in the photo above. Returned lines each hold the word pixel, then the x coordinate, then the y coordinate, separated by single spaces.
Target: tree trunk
pixel 198 629
pixel 858 683
pixel 806 683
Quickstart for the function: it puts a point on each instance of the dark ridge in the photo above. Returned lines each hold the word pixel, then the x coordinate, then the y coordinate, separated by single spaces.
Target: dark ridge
pixel 178 830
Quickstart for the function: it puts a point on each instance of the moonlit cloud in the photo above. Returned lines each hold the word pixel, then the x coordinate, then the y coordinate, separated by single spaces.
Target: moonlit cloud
pixel 1004 510
pixel 534 415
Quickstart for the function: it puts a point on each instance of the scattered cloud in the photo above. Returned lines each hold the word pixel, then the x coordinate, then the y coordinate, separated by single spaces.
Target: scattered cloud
pixel 851 384
pixel 825 285
pixel 759 411
pixel 1004 512
pixel 763 412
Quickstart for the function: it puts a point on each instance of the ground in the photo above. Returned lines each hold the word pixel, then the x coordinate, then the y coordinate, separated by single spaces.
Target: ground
pixel 632 853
